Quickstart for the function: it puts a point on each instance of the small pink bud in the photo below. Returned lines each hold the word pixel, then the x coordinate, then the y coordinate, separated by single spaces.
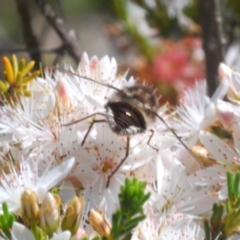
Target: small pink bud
pixel 62 89
pixel 63 96
pixel 93 64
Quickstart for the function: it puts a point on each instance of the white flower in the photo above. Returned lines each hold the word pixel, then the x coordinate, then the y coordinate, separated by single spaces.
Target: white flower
pixel 102 153
pixel 27 177
pixel 20 232
pixel 30 124
pixel 226 157
pixel 175 193
pixel 41 115
pixel 60 137
pixel 178 226
pixel 195 110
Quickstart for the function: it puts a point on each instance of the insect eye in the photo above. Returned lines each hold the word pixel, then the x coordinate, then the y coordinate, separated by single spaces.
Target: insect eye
pixel 124 118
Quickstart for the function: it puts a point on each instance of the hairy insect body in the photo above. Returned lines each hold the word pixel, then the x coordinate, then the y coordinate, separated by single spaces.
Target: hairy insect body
pixel 131 110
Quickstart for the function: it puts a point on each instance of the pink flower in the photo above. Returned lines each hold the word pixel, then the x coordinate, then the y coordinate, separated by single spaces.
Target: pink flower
pixel 180 64
pixel 170 65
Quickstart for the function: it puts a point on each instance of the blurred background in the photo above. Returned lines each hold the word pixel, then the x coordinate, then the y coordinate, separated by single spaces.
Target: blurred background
pixel 168 43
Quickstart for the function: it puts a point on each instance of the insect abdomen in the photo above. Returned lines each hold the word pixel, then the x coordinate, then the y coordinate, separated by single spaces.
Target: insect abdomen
pixel 124 119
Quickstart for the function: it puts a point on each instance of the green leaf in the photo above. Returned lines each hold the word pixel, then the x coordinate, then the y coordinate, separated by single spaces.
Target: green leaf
pixel 207 230
pixel 131 198
pixel 6 220
pixel 236 184
pixel 116 219
pixel 133 223
pixel 230 183
pixel 217 214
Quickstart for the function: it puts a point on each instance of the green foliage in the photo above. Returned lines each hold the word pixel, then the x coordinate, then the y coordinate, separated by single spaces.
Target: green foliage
pixel 6 221
pixel 132 199
pixel 225 220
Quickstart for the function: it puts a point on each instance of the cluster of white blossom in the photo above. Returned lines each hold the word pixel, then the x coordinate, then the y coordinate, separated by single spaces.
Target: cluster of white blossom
pixel 40 150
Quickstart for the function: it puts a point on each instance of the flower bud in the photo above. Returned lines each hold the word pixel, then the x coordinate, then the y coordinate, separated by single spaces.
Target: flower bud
pixel 30 207
pixel 49 214
pixel 73 215
pixel 99 222
pixel 62 95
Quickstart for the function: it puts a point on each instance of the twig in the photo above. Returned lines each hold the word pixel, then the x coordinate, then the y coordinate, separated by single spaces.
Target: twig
pixel 28 34
pixel 68 37
pixel 213 40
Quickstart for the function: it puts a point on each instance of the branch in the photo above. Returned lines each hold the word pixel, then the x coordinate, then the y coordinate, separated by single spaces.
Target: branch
pixel 28 34
pixel 68 37
pixel 213 40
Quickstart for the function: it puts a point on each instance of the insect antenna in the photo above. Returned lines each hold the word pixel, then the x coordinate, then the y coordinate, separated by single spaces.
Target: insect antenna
pixel 179 139
pixel 89 79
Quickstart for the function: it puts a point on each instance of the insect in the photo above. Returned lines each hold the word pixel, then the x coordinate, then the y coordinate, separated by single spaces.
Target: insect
pixel 129 111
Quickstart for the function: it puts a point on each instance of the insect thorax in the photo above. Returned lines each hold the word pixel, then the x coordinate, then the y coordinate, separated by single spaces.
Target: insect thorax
pixel 132 109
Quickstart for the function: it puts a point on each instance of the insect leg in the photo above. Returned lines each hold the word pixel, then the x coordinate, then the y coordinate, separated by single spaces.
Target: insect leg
pixel 120 164
pixel 82 119
pixel 90 127
pixel 91 124
pixel 149 140
pixel 127 153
